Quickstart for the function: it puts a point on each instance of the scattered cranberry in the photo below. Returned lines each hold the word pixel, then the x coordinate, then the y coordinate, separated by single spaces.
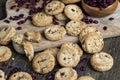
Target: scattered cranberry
pixel 50 76
pixel 17 10
pixel 84 60
pixel 82 68
pixel 4 64
pixel 19 28
pixel 105 28
pixel 89 20
pixel 6 21
pixel 95 21
pixel 12 7
pixel 111 18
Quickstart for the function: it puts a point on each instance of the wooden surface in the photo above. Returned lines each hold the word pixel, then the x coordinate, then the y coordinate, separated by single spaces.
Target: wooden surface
pixel 112 45
pixel 112 31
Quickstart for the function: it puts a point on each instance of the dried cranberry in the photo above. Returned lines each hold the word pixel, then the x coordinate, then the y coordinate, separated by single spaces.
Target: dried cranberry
pixel 6 21
pixel 99 3
pixel 12 7
pixel 82 68
pixel 105 28
pixel 111 18
pixel 84 60
pixel 17 10
pixel 19 28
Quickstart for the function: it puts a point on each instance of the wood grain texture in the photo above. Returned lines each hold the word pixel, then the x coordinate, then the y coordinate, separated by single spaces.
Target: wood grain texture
pixel 112 45
pixel 112 31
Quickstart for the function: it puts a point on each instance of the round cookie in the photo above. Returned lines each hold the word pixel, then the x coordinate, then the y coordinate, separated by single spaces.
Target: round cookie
pixel 87 30
pixel 43 62
pixel 85 78
pixel 20 76
pixel 70 1
pixel 93 43
pixel 5 53
pixel 2 75
pixel 69 55
pixel 41 19
pixel 102 61
pixel 55 32
pixel 61 17
pixel 33 36
pixel 54 7
pixel 73 12
pixel 74 28
pixel 66 74
pixel 6 35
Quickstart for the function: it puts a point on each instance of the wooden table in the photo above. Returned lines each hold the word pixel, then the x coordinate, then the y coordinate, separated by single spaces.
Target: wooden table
pixel 19 62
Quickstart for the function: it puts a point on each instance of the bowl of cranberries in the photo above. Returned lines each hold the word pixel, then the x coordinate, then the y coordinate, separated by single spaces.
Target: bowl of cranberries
pixel 99 8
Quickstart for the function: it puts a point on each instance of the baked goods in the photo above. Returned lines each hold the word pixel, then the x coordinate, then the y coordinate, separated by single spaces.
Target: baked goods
pixel 41 19
pixel 6 35
pixel 87 30
pixel 54 7
pixel 70 1
pixel 92 43
pixel 74 28
pixel 69 55
pixel 73 12
pixel 61 17
pixel 55 32
pixel 43 62
pixel 28 49
pixel 5 53
pixel 2 75
pixel 85 78
pixel 18 38
pixel 66 74
pixel 33 36
pixel 20 76
pixel 102 61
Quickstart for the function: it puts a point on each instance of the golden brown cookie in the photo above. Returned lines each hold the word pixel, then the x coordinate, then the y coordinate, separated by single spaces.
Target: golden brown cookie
pixel 55 32
pixel 20 76
pixel 66 74
pixel 6 35
pixel 102 61
pixel 73 12
pixel 69 55
pixel 54 7
pixel 33 36
pixel 92 43
pixel 41 19
pixel 74 28
pixel 43 62
pixel 5 53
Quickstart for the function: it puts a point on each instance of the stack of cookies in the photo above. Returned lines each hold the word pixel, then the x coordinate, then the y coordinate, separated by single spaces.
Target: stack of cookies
pixel 69 54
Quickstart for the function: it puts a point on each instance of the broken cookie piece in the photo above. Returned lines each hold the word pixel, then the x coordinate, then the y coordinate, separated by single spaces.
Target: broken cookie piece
pixel 18 38
pixel 28 49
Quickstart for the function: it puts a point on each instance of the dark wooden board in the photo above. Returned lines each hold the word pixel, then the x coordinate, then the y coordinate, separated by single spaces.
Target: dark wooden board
pixel 112 45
